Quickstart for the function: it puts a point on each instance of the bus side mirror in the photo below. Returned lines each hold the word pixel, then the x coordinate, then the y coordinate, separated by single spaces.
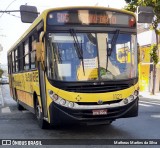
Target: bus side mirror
pixel 28 13
pixel 40 50
pixel 145 14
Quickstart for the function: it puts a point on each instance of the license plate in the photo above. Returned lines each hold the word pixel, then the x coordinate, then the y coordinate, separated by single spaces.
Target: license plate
pixel 100 112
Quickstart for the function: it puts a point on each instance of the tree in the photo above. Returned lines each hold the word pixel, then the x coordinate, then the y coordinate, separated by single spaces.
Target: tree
pixel 155 4
pixel 132 5
pixel 1 72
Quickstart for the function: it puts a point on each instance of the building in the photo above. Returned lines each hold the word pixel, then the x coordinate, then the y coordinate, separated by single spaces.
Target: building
pixel 146 38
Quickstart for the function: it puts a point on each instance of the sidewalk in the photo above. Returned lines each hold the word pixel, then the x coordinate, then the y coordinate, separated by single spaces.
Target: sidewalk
pixel 149 95
pixel 1 99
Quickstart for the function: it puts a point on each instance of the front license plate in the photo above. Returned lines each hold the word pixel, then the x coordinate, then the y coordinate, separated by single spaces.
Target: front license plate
pixel 100 112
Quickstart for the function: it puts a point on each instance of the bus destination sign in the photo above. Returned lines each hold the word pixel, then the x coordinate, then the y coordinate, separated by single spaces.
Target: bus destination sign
pixel 94 17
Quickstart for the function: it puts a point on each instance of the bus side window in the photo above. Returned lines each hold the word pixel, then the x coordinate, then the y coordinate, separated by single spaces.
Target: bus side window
pixel 13 62
pixel 9 63
pixel 16 61
pixel 20 56
pixel 26 55
pixel 33 52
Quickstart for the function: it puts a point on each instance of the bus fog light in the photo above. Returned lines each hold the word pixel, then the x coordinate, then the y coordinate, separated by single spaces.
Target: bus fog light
pixel 136 92
pixel 62 102
pixel 125 101
pixel 71 104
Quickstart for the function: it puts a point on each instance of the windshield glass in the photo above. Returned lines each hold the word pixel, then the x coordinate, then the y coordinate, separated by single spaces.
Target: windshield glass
pixel 84 56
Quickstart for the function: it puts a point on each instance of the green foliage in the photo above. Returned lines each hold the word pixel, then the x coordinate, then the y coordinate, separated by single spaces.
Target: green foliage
pixel 132 5
pixel 153 53
pixel 158 31
pixel 155 4
pixel 128 1
pixel 131 1
pixel 1 72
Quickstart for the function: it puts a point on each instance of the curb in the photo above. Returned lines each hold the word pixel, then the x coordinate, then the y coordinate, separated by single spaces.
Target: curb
pixel 149 95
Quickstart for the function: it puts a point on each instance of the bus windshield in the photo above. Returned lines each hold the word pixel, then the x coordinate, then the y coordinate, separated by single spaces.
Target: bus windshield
pixel 98 61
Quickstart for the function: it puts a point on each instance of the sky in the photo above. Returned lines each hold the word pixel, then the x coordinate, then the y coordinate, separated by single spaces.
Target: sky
pixel 11 27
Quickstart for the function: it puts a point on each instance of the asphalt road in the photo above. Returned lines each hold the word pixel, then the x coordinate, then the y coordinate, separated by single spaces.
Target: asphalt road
pixel 16 124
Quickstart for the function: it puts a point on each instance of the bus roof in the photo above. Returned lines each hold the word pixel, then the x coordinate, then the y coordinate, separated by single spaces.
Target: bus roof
pixel 45 12
pixel 88 7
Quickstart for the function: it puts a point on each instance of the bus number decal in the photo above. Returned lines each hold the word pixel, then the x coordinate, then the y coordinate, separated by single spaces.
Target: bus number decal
pixel 62 17
pixel 117 96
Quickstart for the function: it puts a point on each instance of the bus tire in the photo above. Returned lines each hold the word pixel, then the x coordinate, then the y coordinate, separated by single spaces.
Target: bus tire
pixel 39 115
pixel 19 106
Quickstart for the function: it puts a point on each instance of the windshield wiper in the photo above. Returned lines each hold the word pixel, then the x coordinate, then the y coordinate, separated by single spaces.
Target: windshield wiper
pixel 78 47
pixel 113 43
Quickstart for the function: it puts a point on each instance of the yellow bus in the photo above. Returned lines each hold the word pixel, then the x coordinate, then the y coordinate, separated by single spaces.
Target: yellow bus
pixel 65 68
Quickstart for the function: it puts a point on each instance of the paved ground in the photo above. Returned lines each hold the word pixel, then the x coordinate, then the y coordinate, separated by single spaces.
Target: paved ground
pixel 1 97
pixel 23 125
pixel 148 95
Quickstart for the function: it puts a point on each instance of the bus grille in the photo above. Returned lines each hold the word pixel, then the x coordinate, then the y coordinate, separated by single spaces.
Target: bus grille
pixel 97 88
pixel 95 103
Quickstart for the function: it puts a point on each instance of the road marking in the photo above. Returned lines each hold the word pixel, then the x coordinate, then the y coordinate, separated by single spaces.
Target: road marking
pixel 6 110
pixel 155 116
pixel 154 102
pixel 149 103
pixel 146 105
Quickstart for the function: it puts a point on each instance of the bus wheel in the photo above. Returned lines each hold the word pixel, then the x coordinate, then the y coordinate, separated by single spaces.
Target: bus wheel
pixel 19 106
pixel 39 115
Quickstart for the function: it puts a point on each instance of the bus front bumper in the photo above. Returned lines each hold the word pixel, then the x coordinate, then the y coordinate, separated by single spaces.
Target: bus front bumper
pixel 62 115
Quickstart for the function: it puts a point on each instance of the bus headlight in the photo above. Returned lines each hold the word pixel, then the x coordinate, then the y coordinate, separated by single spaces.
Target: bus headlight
pixel 71 104
pixel 125 101
pixel 131 97
pixel 50 92
pixel 60 100
pixel 136 92
pixel 53 96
